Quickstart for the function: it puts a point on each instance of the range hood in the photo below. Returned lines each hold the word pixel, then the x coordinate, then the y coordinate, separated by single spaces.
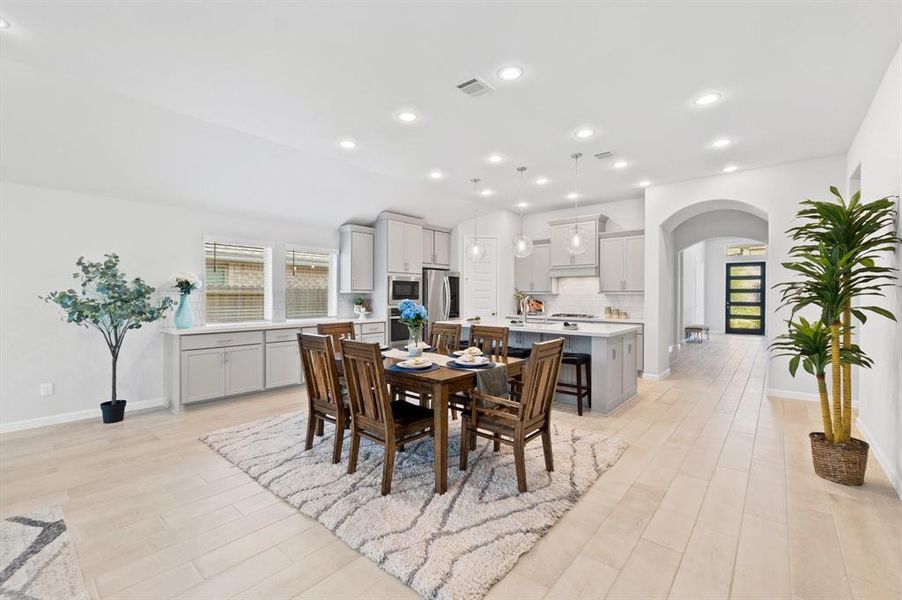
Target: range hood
pixel 582 265
pixel 585 271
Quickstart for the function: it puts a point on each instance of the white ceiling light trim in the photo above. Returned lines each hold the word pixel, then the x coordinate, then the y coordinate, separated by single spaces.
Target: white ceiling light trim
pixel 522 204
pixel 495 158
pixel 644 183
pixel 708 99
pixel 348 144
pixel 407 116
pixel 510 73
pixel 436 174
pixel 573 196
pixel 542 181
pixel 620 164
pixel 730 168
pixel 721 143
pixel 577 238
pixel 487 192
pixel 585 133
pixel 4 24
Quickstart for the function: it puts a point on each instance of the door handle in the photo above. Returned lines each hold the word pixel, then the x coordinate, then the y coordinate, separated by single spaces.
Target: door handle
pixel 614 350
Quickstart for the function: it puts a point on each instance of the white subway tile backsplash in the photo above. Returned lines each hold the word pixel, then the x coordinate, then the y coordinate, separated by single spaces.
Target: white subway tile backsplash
pixel 580 295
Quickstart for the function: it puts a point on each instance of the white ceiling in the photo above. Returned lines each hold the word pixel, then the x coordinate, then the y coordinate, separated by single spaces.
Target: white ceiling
pixel 239 106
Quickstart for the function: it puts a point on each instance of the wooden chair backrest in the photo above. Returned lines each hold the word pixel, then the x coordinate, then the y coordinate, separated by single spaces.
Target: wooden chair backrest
pixel 540 379
pixel 337 331
pixel 368 392
pixel 491 340
pixel 320 372
pixel 444 337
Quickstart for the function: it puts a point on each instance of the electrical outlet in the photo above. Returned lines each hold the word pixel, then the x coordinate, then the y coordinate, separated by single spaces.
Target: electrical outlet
pixel 46 389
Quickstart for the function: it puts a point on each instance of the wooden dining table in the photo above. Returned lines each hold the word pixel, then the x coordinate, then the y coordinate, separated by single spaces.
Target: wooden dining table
pixel 441 384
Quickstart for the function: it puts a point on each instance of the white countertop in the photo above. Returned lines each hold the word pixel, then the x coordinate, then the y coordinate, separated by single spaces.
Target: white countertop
pixel 263 325
pixel 600 330
pixel 631 321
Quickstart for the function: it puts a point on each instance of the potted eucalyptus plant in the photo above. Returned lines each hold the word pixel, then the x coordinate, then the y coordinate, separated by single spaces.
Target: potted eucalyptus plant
pixel 106 301
pixel 834 258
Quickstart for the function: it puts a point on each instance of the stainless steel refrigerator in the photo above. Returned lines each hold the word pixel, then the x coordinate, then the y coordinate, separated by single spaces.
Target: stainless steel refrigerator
pixel 441 294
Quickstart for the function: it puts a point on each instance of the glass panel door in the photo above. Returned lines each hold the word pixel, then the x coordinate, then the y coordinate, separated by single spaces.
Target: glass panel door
pixel 745 292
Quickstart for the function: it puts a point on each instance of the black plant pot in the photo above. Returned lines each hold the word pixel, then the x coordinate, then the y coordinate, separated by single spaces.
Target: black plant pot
pixel 113 413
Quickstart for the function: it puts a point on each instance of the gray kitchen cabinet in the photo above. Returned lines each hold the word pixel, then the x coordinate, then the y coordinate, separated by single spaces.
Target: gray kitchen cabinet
pixel 356 259
pixel 243 369
pixel 630 364
pixel 622 264
pixel 533 273
pixel 283 364
pixel 561 258
pixel 613 381
pixel 436 247
pixel 203 375
pixel 405 247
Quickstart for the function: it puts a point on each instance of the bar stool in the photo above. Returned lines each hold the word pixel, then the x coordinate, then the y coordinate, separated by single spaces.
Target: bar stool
pixel 578 360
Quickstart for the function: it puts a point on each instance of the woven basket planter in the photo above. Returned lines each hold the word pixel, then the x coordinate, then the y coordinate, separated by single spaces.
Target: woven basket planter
pixel 840 463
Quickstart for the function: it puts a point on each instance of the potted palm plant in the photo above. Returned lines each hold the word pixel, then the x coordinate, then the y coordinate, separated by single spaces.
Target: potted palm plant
pixel 834 257
pixel 106 301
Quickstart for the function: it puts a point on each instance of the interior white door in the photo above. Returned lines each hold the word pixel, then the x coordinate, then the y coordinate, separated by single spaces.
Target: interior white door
pixel 481 280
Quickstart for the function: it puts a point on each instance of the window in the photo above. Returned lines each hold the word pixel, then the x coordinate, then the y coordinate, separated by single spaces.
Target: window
pixel 747 250
pixel 234 282
pixel 308 284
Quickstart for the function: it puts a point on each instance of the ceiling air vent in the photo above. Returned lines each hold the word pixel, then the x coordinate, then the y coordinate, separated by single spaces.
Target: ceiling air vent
pixel 475 87
pixel 604 155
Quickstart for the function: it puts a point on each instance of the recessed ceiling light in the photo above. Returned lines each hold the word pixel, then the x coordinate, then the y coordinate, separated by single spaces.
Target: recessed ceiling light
pixel 436 174
pixel 585 133
pixel 511 73
pixel 620 164
pixel 645 183
pixel 572 196
pixel 487 192
pixel 4 24
pixel 494 158
pixel 348 144
pixel 729 168
pixel 522 204
pixel 407 116
pixel 706 99
pixel 542 180
pixel 721 143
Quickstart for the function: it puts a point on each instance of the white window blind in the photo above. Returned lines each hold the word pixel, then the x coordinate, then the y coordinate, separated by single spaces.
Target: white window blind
pixel 235 282
pixel 307 282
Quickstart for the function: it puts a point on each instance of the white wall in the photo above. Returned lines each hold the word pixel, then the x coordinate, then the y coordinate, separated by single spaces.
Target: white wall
pixel 715 277
pixel 877 150
pixel 42 233
pixel 623 215
pixel 693 298
pixel 772 193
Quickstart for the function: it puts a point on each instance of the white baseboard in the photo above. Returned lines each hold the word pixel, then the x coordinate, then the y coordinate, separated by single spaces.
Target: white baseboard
pixel 79 415
pixel 792 395
pixel 894 477
pixel 656 376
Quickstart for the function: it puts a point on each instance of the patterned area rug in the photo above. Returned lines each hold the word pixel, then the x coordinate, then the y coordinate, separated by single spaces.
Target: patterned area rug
pixel 37 558
pixel 451 546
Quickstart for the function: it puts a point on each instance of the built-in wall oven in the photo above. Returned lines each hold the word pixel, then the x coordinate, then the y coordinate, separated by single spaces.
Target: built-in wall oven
pixel 404 287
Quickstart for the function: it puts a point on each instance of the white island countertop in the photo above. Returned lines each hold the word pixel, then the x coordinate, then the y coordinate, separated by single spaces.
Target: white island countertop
pixel 629 320
pixel 593 330
pixel 264 325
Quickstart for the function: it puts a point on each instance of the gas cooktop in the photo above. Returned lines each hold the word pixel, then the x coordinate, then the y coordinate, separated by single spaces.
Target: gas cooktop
pixel 573 315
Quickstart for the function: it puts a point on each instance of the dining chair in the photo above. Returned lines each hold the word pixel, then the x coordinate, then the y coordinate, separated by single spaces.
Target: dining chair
pixel 337 331
pixel 373 414
pixel 491 340
pixel 516 423
pixel 325 402
pixel 444 337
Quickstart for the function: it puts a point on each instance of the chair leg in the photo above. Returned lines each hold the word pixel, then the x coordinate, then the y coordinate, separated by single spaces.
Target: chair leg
pixel 546 446
pixel 388 468
pixel 496 446
pixel 579 391
pixel 453 414
pixel 355 450
pixel 320 427
pixel 589 383
pixel 520 463
pixel 464 443
pixel 338 442
pixel 311 429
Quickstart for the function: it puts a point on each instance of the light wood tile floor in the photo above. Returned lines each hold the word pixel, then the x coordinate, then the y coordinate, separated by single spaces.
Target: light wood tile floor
pixel 715 498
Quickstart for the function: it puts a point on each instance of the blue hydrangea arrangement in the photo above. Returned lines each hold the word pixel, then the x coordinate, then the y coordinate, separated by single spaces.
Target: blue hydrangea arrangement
pixel 412 314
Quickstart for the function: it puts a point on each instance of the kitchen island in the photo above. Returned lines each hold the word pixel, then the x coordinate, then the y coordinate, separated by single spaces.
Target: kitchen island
pixel 612 347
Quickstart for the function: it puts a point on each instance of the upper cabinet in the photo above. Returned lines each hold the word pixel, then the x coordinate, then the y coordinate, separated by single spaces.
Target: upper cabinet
pixel 356 259
pixel 622 262
pixel 436 247
pixel 404 247
pixel 533 273
pixel 563 263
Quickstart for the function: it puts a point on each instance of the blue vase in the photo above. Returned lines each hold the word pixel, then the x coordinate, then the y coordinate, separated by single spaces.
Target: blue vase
pixel 184 316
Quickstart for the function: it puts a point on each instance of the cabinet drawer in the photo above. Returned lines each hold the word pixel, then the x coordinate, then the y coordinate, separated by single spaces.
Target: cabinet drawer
pixel 221 340
pixel 374 337
pixel 281 335
pixel 366 328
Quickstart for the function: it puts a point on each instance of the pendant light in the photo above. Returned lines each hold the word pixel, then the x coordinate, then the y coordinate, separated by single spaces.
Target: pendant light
pixel 522 245
pixel 577 239
pixel 475 250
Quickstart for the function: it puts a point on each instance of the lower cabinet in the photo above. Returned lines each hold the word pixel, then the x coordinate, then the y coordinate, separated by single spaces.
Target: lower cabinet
pixel 283 364
pixel 217 372
pixel 630 364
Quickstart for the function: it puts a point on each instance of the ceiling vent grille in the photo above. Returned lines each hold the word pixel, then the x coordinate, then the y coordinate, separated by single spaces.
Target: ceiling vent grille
pixel 475 87
pixel 604 155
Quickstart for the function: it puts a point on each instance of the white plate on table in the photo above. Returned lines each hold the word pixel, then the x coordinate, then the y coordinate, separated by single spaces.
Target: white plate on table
pixel 475 361
pixel 472 351
pixel 415 363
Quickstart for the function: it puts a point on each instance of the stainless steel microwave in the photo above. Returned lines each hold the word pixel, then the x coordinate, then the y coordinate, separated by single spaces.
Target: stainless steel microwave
pixel 404 287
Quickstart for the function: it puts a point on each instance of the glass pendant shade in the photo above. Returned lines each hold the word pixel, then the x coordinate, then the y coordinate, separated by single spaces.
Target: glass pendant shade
pixel 522 246
pixel 475 250
pixel 577 240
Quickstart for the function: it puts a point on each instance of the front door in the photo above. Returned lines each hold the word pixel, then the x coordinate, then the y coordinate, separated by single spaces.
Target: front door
pixel 745 292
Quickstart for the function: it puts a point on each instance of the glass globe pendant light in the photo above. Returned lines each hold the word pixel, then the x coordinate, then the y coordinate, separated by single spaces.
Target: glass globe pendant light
pixel 577 239
pixel 475 250
pixel 522 245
